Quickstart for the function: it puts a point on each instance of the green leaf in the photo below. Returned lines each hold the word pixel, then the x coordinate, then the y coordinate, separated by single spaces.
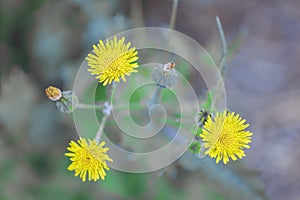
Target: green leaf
pixel 208 103
pixel 100 94
pixel 195 147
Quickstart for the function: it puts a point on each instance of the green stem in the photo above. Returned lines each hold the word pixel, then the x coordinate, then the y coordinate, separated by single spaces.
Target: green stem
pixel 106 114
pixel 222 64
pixel 155 97
pixel 112 92
pixel 89 107
pixel 173 14
pixel 136 12
pixel 101 128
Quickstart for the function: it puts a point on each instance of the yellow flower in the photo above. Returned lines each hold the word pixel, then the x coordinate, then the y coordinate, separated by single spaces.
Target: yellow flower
pixel 88 159
pixel 53 93
pixel 225 137
pixel 112 60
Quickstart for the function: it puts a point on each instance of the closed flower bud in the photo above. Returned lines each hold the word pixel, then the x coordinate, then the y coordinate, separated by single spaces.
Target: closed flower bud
pixel 53 93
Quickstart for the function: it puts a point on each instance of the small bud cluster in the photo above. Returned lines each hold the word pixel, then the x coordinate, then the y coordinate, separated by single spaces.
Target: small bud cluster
pixel 66 101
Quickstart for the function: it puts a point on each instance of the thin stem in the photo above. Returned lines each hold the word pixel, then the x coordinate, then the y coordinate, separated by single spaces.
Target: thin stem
pixel 155 97
pixel 135 106
pixel 222 64
pixel 136 12
pixel 101 128
pixel 173 14
pixel 89 107
pixel 112 92
pixel 116 108
pixel 106 111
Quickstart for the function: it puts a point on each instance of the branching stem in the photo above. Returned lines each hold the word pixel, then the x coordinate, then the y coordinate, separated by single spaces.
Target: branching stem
pixel 101 128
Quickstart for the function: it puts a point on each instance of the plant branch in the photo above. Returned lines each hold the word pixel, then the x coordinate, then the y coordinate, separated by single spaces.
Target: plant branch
pixel 222 64
pixel 136 11
pixel 101 128
pixel 89 107
pixel 173 14
pixel 155 96
pixel 107 108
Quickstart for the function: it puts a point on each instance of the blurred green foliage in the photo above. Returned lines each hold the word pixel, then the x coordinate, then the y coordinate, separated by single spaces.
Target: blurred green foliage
pixel 15 28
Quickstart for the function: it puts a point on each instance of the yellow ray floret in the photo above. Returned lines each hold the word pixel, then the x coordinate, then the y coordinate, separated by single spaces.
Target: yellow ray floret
pixel 112 60
pixel 224 136
pixel 88 159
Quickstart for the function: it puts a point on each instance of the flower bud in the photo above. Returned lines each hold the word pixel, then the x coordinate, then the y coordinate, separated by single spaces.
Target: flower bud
pixel 53 93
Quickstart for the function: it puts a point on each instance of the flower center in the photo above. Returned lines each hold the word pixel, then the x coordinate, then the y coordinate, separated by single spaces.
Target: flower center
pixel 114 65
pixel 224 138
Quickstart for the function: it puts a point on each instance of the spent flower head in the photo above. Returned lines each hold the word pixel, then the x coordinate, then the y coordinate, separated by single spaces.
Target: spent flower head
pixel 202 117
pixel 224 136
pixel 88 159
pixel 165 76
pixel 112 60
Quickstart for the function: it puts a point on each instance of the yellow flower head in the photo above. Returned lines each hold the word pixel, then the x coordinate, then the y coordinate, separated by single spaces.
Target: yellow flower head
pixel 88 158
pixel 53 93
pixel 225 137
pixel 112 60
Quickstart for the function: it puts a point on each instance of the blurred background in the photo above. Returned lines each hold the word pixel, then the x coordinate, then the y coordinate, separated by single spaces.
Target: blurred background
pixel 44 42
